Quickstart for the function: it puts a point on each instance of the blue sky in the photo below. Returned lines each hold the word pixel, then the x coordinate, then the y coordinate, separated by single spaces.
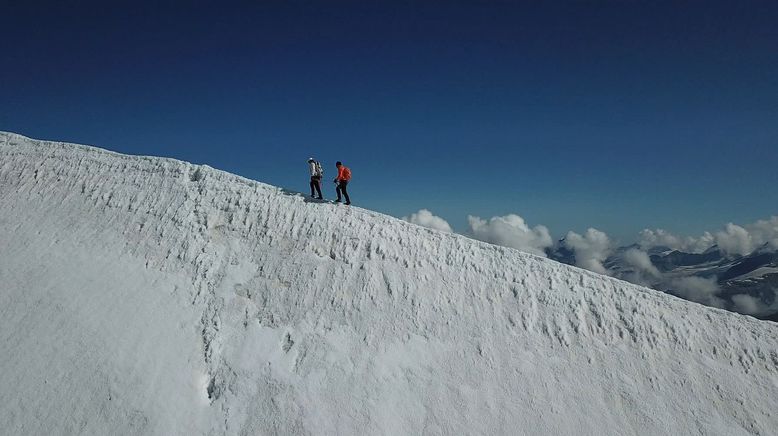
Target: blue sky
pixel 619 115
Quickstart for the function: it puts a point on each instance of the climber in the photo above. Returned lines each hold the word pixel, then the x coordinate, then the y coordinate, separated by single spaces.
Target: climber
pixel 344 175
pixel 316 174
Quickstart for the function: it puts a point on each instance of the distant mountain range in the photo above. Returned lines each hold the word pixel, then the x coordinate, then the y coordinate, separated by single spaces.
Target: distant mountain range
pixel 754 275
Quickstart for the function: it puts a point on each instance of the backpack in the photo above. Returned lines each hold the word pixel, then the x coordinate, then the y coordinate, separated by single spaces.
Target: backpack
pixel 346 173
pixel 318 171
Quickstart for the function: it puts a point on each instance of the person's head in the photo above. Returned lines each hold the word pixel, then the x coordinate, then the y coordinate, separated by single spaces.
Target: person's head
pixel 337 164
pixel 310 159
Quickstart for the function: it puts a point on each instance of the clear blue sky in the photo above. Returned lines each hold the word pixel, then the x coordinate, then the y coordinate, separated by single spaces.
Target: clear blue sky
pixel 614 114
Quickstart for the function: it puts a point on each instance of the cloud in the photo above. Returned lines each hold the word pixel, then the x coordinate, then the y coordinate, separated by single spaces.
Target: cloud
pixel 698 245
pixel 735 240
pixel 425 218
pixel 590 250
pixel 701 290
pixel 640 260
pixel 732 239
pixel 662 238
pixel 755 306
pixel 765 232
pixel 747 304
pixel 511 231
pixel 636 267
pixel 659 238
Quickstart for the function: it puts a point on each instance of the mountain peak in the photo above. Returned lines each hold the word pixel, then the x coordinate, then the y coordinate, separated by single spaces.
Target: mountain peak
pixel 155 296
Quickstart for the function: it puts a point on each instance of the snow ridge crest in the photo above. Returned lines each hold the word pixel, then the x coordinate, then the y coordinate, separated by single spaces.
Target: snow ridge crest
pixel 284 315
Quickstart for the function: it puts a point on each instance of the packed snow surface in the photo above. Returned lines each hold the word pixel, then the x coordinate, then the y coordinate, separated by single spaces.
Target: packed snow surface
pixel 142 295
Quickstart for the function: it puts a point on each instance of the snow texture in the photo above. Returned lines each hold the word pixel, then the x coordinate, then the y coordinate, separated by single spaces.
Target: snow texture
pixel 142 295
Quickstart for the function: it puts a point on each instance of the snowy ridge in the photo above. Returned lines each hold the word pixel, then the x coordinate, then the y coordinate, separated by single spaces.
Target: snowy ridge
pixel 152 296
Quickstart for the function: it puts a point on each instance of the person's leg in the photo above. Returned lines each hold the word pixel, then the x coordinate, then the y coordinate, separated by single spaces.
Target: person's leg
pixel 345 192
pixel 337 190
pixel 313 185
pixel 318 188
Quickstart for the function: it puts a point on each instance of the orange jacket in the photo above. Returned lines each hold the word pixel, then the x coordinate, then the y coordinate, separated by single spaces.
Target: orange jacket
pixel 344 173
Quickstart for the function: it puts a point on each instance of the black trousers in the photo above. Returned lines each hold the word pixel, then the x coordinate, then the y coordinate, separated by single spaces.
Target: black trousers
pixel 341 188
pixel 316 184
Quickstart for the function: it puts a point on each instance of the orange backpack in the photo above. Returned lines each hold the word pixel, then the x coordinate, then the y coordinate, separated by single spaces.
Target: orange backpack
pixel 346 173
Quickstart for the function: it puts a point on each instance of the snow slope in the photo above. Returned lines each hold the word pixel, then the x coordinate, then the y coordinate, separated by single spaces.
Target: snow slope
pixel 143 295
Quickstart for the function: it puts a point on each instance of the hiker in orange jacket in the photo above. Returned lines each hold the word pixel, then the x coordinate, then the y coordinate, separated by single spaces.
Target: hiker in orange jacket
pixel 344 175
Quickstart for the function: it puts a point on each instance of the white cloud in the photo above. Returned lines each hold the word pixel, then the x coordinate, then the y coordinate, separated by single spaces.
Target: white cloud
pixel 747 304
pixel 662 238
pixel 698 245
pixel 640 260
pixel 764 232
pixel 425 218
pixel 701 290
pixel 511 231
pixel 590 250
pixel 735 240
pixel 659 238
